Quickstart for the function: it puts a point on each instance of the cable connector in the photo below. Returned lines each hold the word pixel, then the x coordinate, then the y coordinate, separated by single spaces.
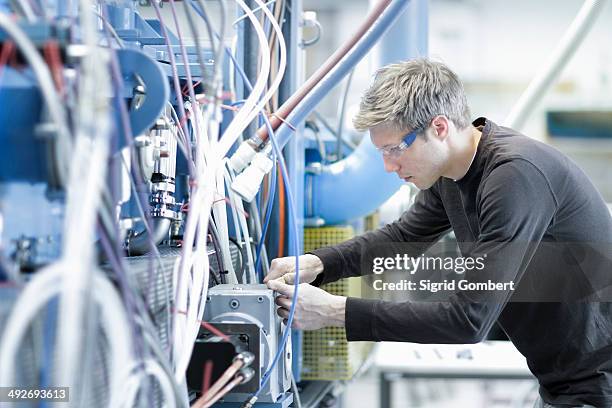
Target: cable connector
pixel 248 182
pixel 250 402
pixel 242 156
pixel 246 374
pixel 246 357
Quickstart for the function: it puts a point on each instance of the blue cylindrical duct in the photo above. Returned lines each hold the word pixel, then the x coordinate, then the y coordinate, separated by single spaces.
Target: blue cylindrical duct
pixel 357 185
pixel 350 188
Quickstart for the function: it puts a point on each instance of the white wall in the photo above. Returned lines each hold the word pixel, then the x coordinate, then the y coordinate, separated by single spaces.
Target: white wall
pixel 498 46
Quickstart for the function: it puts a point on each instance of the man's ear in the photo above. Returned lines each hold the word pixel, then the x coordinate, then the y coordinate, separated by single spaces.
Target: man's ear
pixel 441 127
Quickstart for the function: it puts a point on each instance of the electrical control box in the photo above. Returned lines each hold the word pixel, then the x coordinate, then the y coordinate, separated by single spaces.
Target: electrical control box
pixel 246 316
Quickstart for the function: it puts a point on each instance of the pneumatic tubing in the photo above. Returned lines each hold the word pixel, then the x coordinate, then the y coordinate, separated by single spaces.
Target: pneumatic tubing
pixel 255 102
pixel 267 124
pixel 293 225
pixel 269 206
pixel 225 142
pixel 372 23
pixel 293 230
pixel 338 72
pixel 204 200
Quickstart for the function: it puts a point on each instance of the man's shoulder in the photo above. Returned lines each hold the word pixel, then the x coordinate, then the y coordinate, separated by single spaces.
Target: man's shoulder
pixel 508 150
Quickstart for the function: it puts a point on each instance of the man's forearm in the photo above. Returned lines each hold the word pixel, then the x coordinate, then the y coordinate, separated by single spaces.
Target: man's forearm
pixel 337 311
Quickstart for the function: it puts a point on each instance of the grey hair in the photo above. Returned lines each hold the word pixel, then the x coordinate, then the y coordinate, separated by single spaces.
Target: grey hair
pixel 409 94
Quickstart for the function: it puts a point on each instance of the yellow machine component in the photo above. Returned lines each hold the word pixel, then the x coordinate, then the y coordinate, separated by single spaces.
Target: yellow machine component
pixel 326 355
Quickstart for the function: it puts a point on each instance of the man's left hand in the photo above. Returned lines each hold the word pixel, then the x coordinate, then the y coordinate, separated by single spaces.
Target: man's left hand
pixel 315 308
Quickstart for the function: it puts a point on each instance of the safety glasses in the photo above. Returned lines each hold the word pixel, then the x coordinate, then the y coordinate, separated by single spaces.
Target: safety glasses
pixel 395 151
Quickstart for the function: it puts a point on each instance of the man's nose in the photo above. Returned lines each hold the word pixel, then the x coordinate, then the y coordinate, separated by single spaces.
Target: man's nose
pixel 391 165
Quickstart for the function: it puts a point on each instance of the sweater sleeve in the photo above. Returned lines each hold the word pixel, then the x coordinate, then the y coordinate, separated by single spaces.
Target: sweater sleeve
pixel 515 209
pixel 422 225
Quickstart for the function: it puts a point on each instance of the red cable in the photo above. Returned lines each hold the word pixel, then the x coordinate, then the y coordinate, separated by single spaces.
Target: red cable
pixel 214 330
pixel 7 51
pixel 209 327
pixel 230 386
pixel 56 60
pixel 208 366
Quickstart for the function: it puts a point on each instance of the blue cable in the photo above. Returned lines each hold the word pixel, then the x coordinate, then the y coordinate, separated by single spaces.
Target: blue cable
pixel 293 230
pixel 266 224
pixel 268 214
pixel 293 224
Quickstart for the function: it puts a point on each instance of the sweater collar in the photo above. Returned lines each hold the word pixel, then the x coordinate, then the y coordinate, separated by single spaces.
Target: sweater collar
pixel 485 126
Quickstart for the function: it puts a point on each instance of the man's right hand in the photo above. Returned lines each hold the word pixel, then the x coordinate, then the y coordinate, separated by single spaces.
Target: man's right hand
pixel 310 267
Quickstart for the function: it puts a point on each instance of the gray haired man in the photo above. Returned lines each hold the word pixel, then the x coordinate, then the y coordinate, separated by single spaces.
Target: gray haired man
pixel 498 191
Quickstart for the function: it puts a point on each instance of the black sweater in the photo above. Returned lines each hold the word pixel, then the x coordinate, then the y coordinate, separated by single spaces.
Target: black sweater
pixel 526 194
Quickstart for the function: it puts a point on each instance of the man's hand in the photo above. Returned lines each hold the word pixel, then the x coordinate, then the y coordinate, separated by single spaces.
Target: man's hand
pixel 315 308
pixel 310 267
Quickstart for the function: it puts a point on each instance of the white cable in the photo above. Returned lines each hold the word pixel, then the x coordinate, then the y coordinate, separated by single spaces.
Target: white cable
pixel 52 99
pixel 197 221
pixel 86 179
pixel 179 318
pixel 47 284
pixel 239 210
pixel 191 293
pixel 220 206
pixel 282 64
pixel 183 51
pixel 220 213
pixel 27 10
pixel 241 120
pixel 279 77
pixel 564 51
pixel 296 392
pixel 117 328
pixel 237 228
pixel 202 202
pixel 150 368
pixel 273 88
pixel 239 19
pixel 195 309
pixel 232 68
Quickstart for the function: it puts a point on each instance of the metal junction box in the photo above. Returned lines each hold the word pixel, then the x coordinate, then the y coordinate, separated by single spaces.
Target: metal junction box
pixel 247 315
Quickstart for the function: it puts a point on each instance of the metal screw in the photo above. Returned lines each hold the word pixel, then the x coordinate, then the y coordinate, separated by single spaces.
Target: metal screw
pixel 234 304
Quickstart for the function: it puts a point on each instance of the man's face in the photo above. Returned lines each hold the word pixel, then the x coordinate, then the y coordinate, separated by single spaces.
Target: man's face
pixel 421 164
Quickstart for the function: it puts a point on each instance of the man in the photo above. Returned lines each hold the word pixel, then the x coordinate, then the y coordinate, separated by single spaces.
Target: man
pixel 520 202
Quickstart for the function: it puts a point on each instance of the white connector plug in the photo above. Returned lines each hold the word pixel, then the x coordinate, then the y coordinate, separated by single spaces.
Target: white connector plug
pixel 242 156
pixel 247 183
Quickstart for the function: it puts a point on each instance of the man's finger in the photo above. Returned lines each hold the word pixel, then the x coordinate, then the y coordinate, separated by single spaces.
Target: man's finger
pixel 273 274
pixel 280 287
pixel 289 278
pixel 283 302
pixel 278 268
pixel 282 312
